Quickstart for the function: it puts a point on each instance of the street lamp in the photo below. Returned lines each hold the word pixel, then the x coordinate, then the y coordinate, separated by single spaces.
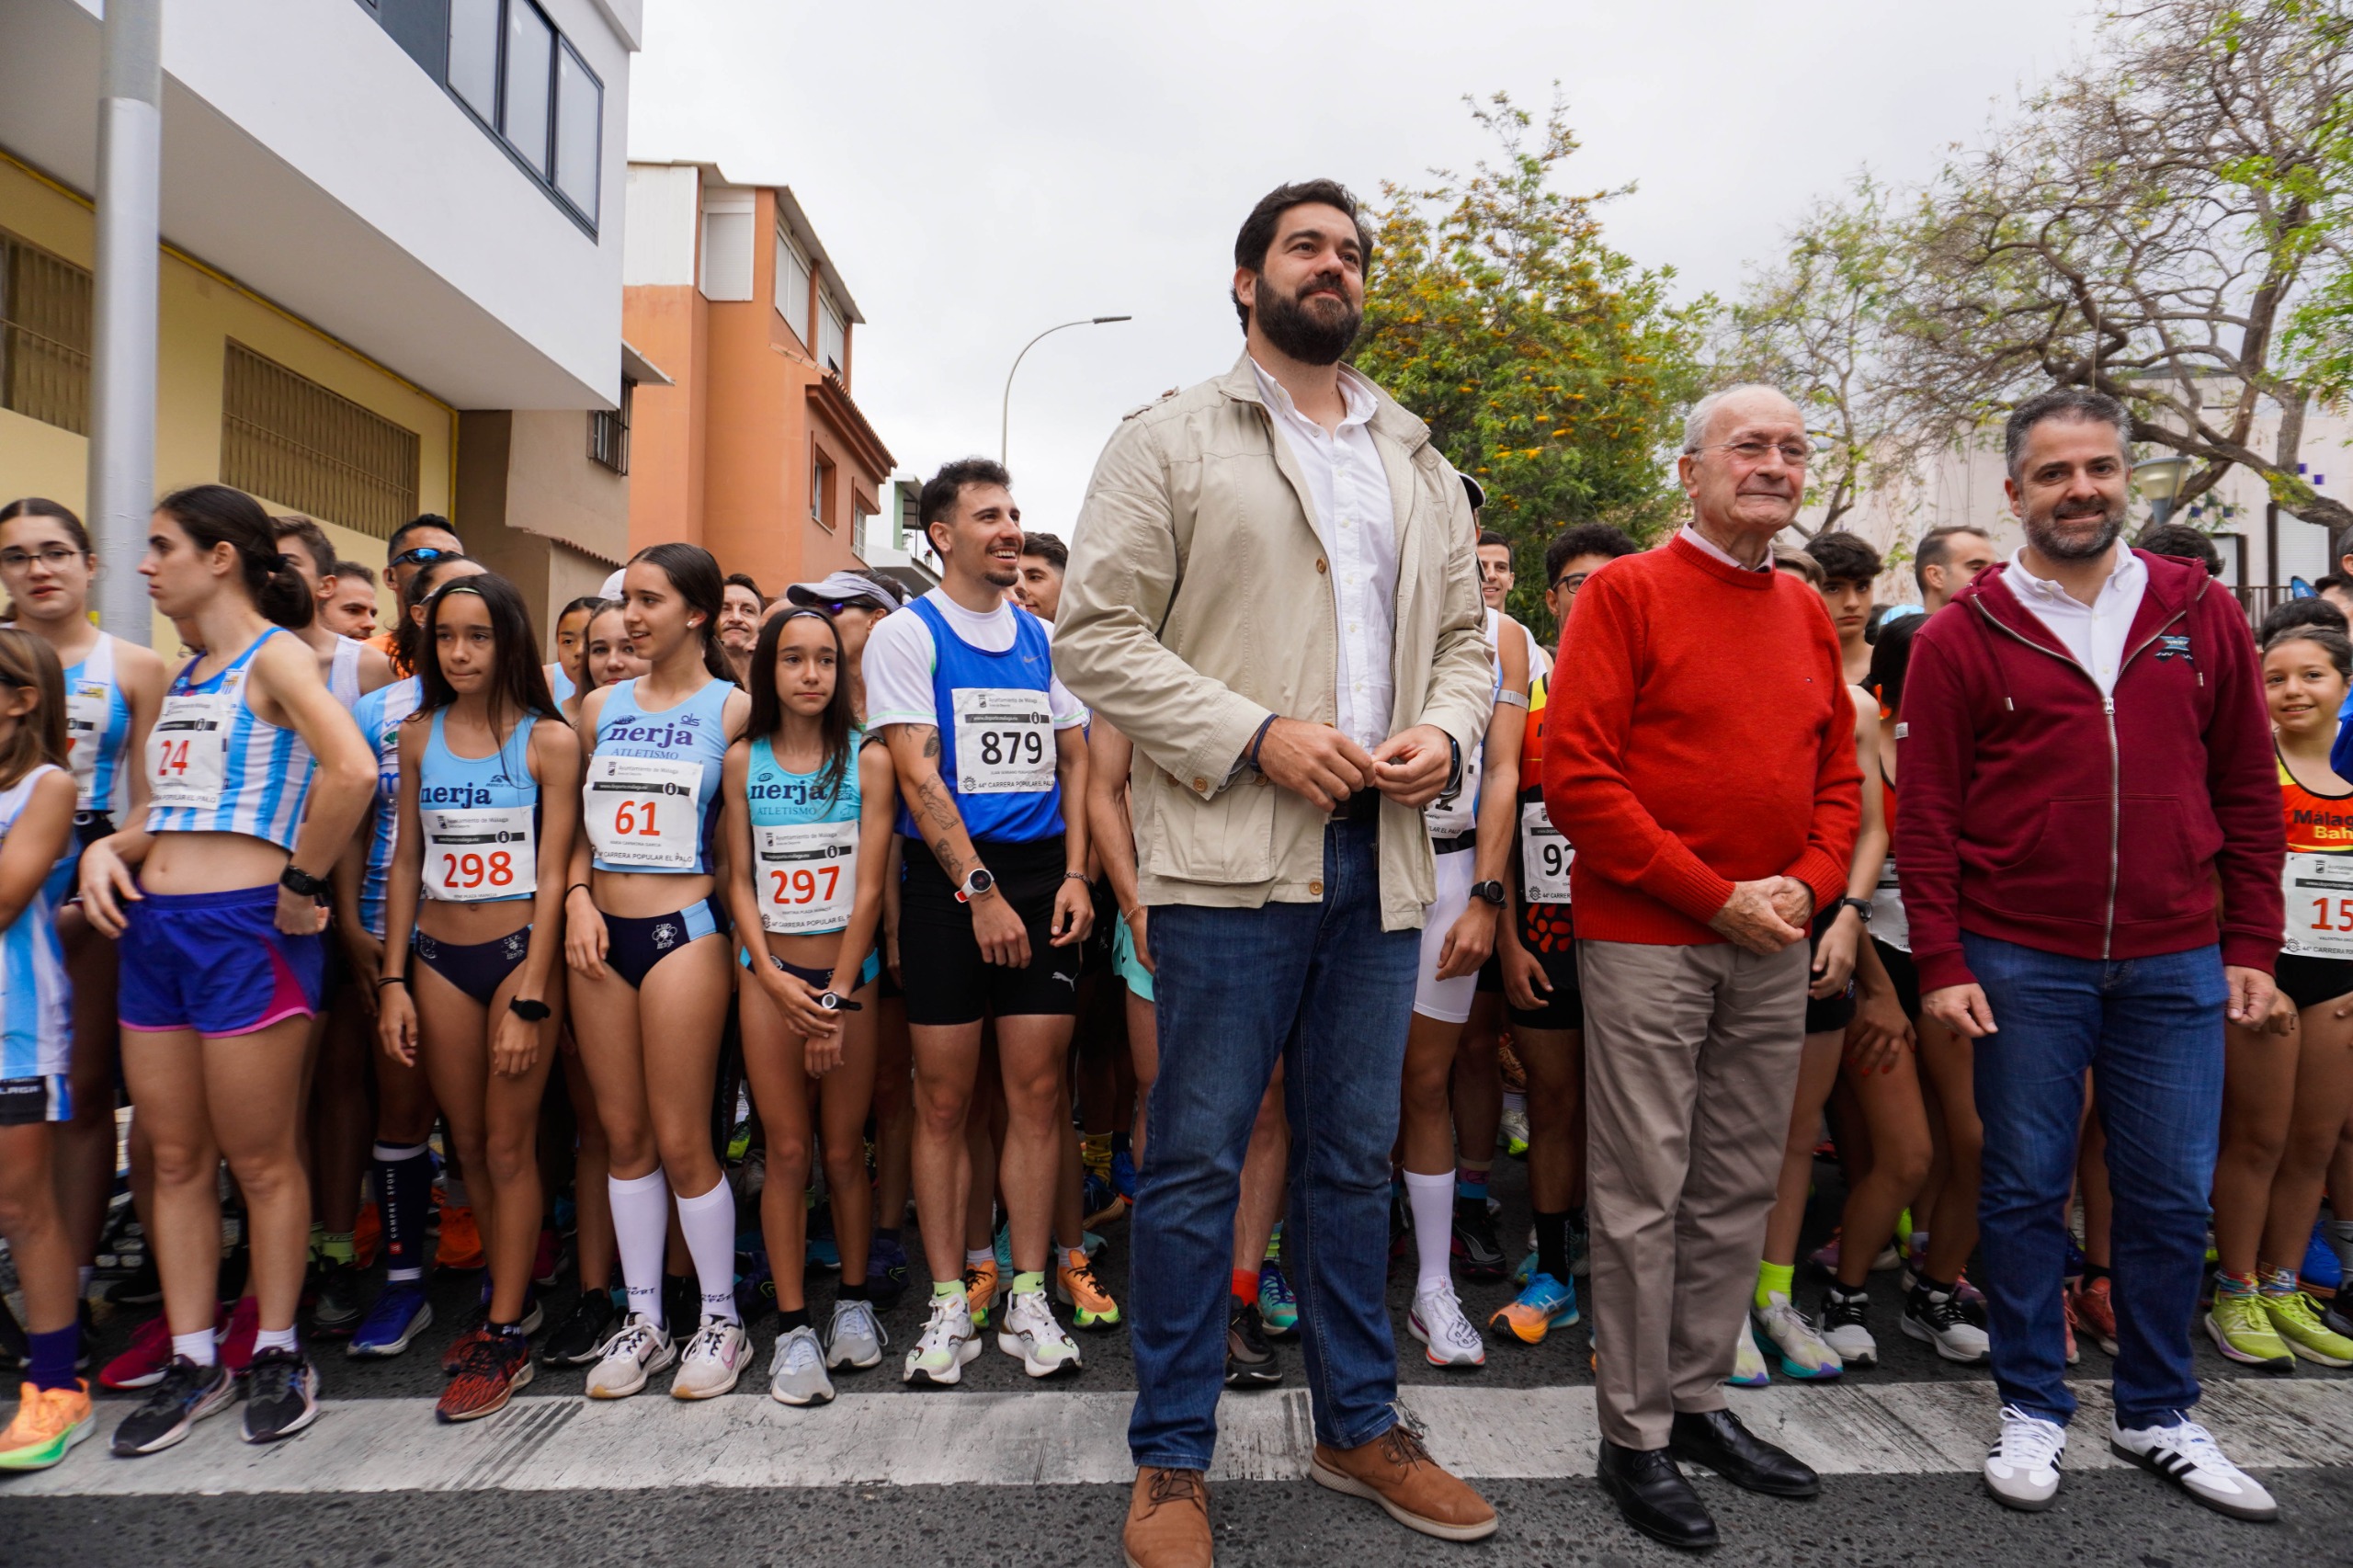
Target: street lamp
pixel 2160 478
pixel 1004 418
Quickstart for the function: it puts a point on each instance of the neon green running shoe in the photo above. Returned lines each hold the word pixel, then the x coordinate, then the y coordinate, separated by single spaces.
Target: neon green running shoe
pixel 2242 1330
pixel 2297 1318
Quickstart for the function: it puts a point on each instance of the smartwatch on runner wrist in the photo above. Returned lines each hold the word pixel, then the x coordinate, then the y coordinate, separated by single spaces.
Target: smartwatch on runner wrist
pixel 529 1011
pixel 1861 907
pixel 976 882
pixel 294 879
pixel 1490 892
pixel 834 1002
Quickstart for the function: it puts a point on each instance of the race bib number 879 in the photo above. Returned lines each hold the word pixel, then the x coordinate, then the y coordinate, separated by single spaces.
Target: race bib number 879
pixel 1005 742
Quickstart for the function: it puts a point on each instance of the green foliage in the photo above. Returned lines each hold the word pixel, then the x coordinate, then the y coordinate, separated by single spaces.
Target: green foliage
pixel 1548 366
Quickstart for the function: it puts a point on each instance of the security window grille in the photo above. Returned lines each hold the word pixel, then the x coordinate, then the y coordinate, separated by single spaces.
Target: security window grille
pixel 44 336
pixel 608 431
pixel 286 438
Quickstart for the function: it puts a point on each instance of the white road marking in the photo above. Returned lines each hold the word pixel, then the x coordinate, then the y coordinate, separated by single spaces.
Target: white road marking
pixel 1076 1438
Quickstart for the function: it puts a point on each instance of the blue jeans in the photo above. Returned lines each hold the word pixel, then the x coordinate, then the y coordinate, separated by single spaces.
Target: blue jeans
pixel 1325 988
pixel 2150 1032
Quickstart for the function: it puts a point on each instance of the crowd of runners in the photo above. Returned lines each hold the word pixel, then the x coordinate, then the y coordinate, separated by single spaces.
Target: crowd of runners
pixel 409 953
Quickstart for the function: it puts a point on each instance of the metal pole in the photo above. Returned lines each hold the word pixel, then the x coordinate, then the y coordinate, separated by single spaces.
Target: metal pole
pixel 121 484
pixel 1005 415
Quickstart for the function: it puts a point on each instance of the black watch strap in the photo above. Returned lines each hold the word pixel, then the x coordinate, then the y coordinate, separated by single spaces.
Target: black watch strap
pixel 295 879
pixel 1861 907
pixel 529 1011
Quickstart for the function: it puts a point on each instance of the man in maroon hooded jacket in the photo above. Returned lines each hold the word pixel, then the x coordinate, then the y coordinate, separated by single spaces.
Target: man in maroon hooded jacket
pixel 2086 763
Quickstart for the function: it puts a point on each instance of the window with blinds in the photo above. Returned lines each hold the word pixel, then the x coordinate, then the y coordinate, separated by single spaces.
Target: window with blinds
pixel 286 438
pixel 44 336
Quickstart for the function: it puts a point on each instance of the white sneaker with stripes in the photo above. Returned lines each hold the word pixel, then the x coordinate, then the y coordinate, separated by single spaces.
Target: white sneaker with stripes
pixel 2184 1454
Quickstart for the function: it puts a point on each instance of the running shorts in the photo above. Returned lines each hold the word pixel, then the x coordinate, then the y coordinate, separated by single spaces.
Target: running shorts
pixel 948 982
pixel 1825 1014
pixel 1563 1008
pixel 1126 965
pixel 215 963
pixel 27 1102
pixel 1903 975
pixel 1447 1000
pixel 2310 982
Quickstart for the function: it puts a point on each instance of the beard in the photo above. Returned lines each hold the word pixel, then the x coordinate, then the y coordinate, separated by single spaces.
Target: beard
pixel 2078 535
pixel 1313 334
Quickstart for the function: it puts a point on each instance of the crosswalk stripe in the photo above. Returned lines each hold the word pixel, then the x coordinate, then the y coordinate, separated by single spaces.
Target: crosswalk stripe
pixel 1071 1437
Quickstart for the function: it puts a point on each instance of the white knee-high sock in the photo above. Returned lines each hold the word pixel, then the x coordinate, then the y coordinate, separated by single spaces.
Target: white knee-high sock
pixel 642 1228
pixel 1432 1199
pixel 709 1224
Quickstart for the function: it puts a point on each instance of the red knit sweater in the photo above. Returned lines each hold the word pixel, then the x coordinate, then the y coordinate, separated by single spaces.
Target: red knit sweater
pixel 1698 733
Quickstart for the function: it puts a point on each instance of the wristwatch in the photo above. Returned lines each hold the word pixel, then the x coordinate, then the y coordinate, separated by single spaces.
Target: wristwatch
pixel 1492 892
pixel 295 879
pixel 529 1011
pixel 833 1002
pixel 1861 907
pixel 976 882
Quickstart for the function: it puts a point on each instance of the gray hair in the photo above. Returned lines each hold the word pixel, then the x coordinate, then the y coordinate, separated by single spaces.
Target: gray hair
pixel 1695 424
pixel 2062 402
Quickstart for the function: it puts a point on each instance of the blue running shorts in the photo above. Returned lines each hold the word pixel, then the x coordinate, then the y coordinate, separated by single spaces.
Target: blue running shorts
pixel 215 963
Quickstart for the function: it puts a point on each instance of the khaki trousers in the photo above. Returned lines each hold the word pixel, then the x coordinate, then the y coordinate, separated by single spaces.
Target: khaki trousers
pixel 1691 1063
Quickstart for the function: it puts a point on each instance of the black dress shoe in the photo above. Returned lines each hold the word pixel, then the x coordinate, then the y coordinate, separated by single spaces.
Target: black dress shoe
pixel 1652 1496
pixel 1717 1439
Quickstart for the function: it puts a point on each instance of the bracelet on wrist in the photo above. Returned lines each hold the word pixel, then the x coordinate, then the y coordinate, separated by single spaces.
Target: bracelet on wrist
pixel 392 980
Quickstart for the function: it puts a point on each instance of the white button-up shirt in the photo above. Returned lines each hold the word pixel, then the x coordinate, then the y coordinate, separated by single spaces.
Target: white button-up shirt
pixel 1706 546
pixel 1355 518
pixel 2093 632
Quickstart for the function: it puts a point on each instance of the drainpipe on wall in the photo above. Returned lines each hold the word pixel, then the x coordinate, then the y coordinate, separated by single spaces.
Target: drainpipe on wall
pixel 122 359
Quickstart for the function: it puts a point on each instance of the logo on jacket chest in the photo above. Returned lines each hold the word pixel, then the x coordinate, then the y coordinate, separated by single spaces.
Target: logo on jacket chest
pixel 2174 646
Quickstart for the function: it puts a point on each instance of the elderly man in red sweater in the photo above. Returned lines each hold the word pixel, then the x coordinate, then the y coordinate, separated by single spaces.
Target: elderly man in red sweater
pixel 1699 753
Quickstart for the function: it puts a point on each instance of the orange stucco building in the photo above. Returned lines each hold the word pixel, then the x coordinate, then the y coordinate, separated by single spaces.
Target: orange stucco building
pixel 755 451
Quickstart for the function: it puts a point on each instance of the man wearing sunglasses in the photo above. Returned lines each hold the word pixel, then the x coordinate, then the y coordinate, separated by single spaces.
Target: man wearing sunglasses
pixel 415 545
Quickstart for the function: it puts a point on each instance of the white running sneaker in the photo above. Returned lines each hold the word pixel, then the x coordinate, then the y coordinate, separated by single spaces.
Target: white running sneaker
pixel 854 1338
pixel 712 1360
pixel 2022 1467
pixel 1843 1325
pixel 947 1343
pixel 1748 1369
pixel 637 1350
pixel 797 1371
pixel 1437 1321
pixel 1936 1317
pixel 1805 1355
pixel 2184 1454
pixel 1031 1335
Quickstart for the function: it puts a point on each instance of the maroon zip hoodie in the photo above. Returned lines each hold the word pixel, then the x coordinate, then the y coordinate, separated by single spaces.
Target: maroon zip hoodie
pixel 2032 809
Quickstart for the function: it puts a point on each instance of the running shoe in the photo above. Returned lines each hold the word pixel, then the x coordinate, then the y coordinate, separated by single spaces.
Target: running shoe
pixel 580 1337
pixel 2093 1311
pixel 1511 1134
pixel 2297 1317
pixel 1580 1247
pixel 2242 1331
pixel 797 1369
pixel 237 1344
pixel 149 1356
pixel 494 1367
pixel 335 1304
pixel 282 1394
pixel 143 1287
pixel 1076 1288
pixel 2337 1318
pixel 184 1395
pixel 712 1362
pixel 367 1235
pixel 2022 1467
pixel 1825 1257
pixel 1003 1248
pixel 825 1253
pixel 854 1338
pixel 1032 1335
pixel 1844 1313
pixel 2067 1327
pixel 1475 1244
pixel 16 1350
pixel 1277 1308
pixel 391 1325
pixel 2184 1454
pixel 1123 1174
pixel 2323 1274
pixel 1447 1337
pixel 1099 1202
pixel 637 1350
pixel 886 1272
pixel 547 1264
pixel 48 1423
pixel 1543 1303
pixel 1748 1368
pixel 453 1356
pixel 949 1340
pixel 980 1291
pixel 1250 1361
pixel 1936 1318
pixel 1804 1354
pixel 460 1243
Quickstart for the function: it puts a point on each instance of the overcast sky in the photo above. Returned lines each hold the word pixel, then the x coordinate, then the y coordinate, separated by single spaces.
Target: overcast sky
pixel 979 174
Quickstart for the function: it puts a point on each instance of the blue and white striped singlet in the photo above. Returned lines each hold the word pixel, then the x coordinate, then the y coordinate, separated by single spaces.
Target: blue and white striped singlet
pixel 36 1002
pixel 215 766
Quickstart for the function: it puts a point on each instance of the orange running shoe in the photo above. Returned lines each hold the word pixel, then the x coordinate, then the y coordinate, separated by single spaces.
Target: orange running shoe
pixel 367 1235
pixel 1074 1282
pixel 980 1290
pixel 2091 1312
pixel 49 1422
pixel 461 1245
pixel 493 1366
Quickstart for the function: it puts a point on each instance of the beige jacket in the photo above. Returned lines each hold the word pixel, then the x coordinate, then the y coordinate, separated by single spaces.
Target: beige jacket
pixel 1199 601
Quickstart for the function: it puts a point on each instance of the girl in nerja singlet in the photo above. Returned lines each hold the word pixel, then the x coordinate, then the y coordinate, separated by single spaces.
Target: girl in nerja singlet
pixel 112 690
pixel 646 941
pixel 35 1039
pixel 571 647
pixel 220 946
pixel 490 778
pixel 809 811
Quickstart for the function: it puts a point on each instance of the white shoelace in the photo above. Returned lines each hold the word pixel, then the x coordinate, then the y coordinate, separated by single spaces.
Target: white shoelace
pixel 858 1316
pixel 2029 1441
pixel 634 1341
pixel 709 1341
pixel 800 1351
pixel 952 1320
pixel 1442 1315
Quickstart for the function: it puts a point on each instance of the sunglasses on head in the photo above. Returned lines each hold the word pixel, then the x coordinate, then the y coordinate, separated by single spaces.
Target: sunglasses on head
pixel 424 554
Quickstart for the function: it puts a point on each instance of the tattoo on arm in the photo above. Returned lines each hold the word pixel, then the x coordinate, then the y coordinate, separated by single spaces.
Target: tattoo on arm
pixel 930 741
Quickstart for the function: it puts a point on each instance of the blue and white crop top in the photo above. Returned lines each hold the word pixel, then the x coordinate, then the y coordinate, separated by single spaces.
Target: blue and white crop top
pixel 651 800
pixel 480 818
pixel 215 766
pixel 380 714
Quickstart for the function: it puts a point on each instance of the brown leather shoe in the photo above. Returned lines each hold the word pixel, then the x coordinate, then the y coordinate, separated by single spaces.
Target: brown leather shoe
pixel 1168 1520
pixel 1397 1472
